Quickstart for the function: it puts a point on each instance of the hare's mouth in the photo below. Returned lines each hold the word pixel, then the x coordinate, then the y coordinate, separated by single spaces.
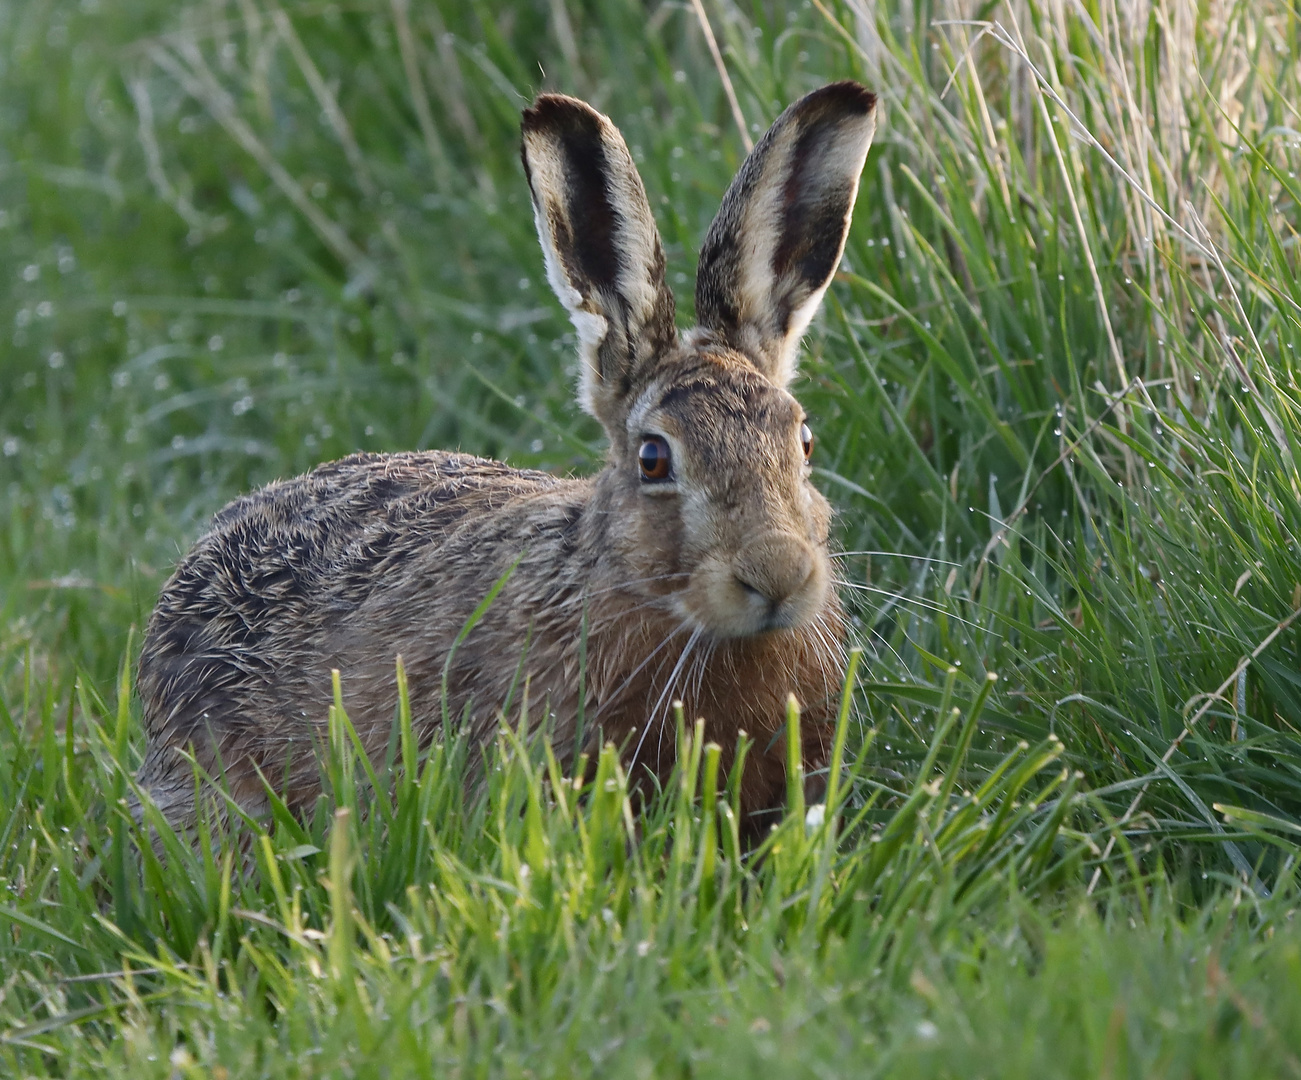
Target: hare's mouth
pixel 772 614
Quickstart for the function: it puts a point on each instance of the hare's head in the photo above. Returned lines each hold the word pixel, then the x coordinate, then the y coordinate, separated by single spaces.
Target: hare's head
pixel 708 474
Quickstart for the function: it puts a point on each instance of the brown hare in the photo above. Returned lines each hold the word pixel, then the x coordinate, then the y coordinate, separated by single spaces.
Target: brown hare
pixel 696 559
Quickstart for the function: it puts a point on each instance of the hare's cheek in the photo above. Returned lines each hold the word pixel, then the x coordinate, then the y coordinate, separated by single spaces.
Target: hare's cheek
pixel 813 597
pixel 818 514
pixel 699 522
pixel 656 535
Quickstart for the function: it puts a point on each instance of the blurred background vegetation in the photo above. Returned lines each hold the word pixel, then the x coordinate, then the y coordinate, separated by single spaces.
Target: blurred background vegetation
pixel 1054 386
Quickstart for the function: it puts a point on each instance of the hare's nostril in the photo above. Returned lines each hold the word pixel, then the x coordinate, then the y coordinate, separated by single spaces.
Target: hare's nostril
pixel 750 590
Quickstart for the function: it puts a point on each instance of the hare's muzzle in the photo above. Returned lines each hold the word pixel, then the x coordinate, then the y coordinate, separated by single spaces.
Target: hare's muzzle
pixel 779 579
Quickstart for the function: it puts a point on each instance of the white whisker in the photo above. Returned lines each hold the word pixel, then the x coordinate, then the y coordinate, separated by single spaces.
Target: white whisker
pixel 834 655
pixel 703 659
pixel 929 605
pixel 674 676
pixel 668 686
pixel 884 641
pixel 614 695
pixel 624 585
pixel 620 617
pixel 892 555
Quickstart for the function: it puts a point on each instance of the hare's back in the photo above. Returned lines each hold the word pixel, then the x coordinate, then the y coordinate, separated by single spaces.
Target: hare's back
pixel 328 535
pixel 279 567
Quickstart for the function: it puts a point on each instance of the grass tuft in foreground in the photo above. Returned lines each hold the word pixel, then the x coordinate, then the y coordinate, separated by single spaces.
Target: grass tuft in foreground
pixel 1056 405
pixel 440 911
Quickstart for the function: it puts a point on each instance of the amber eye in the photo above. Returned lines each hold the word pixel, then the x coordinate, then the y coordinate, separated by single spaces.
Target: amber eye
pixel 653 457
pixel 806 441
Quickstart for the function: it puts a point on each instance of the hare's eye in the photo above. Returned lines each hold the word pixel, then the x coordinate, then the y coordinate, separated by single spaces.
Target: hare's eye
pixel 653 457
pixel 806 440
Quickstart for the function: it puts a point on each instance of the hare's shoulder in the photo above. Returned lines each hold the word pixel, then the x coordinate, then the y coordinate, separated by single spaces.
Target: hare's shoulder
pixel 322 540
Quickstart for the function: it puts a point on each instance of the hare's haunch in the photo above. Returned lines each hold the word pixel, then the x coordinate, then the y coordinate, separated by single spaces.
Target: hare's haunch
pixel 697 558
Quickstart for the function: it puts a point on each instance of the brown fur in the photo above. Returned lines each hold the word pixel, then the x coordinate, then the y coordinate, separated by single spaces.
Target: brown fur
pixel 712 587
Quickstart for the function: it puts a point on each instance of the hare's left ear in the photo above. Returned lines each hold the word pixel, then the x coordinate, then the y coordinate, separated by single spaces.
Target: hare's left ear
pixel 780 231
pixel 603 252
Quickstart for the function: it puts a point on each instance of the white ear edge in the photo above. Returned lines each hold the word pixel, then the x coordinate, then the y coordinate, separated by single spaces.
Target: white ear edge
pixel 802 316
pixel 854 161
pixel 591 327
pixel 762 223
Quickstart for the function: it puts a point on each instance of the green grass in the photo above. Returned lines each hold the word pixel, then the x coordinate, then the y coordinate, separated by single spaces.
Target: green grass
pixel 1055 399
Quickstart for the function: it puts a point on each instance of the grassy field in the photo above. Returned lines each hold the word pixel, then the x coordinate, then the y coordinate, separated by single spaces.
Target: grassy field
pixel 1054 389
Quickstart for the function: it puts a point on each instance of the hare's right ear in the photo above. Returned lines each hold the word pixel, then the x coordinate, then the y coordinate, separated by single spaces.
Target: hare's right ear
pixel 780 231
pixel 603 253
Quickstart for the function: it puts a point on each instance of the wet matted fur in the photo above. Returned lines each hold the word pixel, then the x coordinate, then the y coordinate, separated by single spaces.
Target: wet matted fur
pixel 696 559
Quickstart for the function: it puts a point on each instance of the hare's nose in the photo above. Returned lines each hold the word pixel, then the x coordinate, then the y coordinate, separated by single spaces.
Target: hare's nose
pixel 775 565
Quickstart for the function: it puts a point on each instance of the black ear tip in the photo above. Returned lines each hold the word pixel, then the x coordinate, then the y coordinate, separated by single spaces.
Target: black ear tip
pixel 559 113
pixel 846 96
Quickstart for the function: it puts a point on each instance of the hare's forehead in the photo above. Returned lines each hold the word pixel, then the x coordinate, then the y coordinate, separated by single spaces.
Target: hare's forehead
pixel 717 415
